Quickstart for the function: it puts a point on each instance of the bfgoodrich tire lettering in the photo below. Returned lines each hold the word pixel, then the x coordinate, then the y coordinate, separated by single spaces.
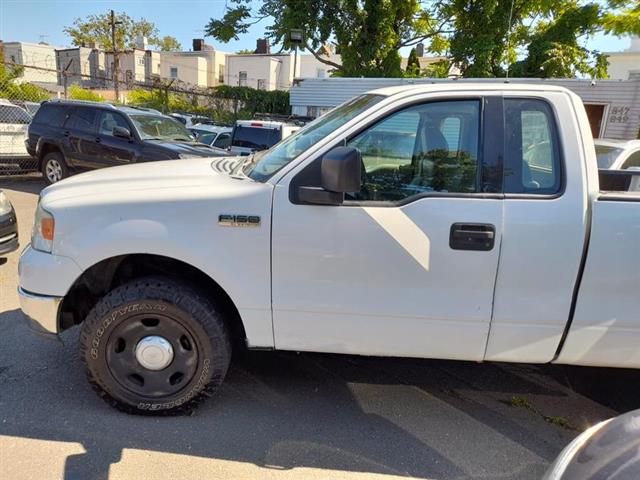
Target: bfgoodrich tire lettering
pixel 155 306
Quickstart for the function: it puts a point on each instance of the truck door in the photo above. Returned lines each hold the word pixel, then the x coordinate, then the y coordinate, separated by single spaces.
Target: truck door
pixel 546 212
pixel 406 266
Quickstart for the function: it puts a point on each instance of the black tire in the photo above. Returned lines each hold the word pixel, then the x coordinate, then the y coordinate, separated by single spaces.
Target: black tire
pixel 155 306
pixel 54 168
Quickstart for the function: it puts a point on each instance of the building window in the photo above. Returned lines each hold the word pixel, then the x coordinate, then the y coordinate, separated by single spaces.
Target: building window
pixel 262 84
pixel 321 73
pixel 242 79
pixel 173 72
pixel 141 61
pixel 220 73
pixel 634 75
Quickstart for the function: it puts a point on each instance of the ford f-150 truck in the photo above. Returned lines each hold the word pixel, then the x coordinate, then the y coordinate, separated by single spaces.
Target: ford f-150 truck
pixel 455 221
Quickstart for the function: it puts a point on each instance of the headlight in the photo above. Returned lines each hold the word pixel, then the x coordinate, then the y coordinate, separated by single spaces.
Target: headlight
pixel 43 230
pixel 5 205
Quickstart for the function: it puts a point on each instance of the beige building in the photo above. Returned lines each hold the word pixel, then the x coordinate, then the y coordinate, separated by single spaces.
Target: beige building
pixel 311 67
pixel 263 71
pixel 131 65
pixel 202 67
pixel 85 66
pixel 625 65
pixel 38 55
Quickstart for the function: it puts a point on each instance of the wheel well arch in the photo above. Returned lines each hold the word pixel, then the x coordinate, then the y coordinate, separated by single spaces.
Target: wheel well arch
pixel 46 148
pixel 104 276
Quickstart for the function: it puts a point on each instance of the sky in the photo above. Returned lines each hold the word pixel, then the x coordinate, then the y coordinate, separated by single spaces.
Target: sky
pixel 36 20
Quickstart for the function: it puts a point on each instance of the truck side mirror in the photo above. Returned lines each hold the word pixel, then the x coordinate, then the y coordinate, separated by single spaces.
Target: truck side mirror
pixel 121 132
pixel 340 173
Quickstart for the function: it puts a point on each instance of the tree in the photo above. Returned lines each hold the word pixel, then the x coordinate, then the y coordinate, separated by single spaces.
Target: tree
pixel 367 34
pixel 97 28
pixel 12 88
pixel 76 92
pixel 169 44
pixel 481 37
pixel 413 65
pixel 245 51
pixel 489 34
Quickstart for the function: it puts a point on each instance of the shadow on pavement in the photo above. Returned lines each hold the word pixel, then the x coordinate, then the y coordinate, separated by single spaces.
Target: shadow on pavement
pixel 419 418
pixel 32 183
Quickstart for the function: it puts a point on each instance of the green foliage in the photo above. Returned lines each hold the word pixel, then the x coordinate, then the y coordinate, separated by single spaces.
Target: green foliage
pixel 223 104
pixel 256 101
pixel 169 44
pixel 367 34
pixel 245 51
pixel 413 65
pixel 13 89
pixel 541 38
pixel 554 49
pixel 78 93
pixel 97 28
pixel 439 69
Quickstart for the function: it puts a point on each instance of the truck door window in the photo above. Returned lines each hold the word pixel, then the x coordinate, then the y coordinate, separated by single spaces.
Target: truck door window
pixel 432 147
pixel 532 155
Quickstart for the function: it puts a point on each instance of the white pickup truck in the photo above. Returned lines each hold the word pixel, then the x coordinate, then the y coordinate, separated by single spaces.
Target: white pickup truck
pixel 410 221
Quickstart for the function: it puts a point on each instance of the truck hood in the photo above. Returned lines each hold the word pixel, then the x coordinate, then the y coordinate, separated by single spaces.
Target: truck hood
pixel 150 177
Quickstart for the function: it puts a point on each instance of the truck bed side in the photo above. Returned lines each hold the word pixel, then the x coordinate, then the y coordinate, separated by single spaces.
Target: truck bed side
pixel 605 330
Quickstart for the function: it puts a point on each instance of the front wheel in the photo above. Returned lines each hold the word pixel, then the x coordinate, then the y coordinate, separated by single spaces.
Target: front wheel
pixel 154 345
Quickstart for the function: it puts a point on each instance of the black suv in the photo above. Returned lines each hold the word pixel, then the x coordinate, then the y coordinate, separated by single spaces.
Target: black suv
pixel 70 136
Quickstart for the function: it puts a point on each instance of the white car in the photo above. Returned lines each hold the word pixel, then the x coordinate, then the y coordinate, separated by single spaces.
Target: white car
pixel 337 240
pixel 189 121
pixel 617 154
pixel 212 135
pixel 14 121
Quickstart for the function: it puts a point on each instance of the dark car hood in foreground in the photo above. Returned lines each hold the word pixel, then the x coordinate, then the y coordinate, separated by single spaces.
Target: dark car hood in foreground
pixel 190 148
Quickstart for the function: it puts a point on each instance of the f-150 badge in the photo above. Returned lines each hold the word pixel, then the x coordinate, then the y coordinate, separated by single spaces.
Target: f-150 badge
pixel 239 220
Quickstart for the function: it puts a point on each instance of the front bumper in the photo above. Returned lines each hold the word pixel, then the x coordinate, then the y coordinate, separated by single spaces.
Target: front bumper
pixel 9 243
pixel 43 272
pixel 41 310
pixel 8 232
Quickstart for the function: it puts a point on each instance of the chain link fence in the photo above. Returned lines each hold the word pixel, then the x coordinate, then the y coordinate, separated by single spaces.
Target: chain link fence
pixel 23 88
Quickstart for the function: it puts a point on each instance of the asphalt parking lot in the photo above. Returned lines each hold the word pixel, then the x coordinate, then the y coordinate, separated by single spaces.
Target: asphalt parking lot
pixel 285 415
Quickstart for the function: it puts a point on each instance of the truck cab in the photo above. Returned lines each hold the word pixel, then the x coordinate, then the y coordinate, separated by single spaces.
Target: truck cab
pixel 457 221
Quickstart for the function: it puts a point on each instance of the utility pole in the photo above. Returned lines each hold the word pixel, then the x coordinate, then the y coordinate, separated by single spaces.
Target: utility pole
pixel 116 63
pixel 65 75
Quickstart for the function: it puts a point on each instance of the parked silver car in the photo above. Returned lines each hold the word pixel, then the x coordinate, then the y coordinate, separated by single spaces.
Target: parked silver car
pixel 617 154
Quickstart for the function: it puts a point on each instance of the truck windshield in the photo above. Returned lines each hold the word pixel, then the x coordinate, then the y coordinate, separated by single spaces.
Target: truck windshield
pixel 267 163
pixel 607 156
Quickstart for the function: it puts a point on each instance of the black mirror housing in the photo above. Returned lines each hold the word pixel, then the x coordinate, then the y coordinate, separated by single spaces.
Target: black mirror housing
pixel 121 132
pixel 341 170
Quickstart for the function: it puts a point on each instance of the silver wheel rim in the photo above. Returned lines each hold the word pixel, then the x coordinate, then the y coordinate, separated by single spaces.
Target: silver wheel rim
pixel 154 352
pixel 53 171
